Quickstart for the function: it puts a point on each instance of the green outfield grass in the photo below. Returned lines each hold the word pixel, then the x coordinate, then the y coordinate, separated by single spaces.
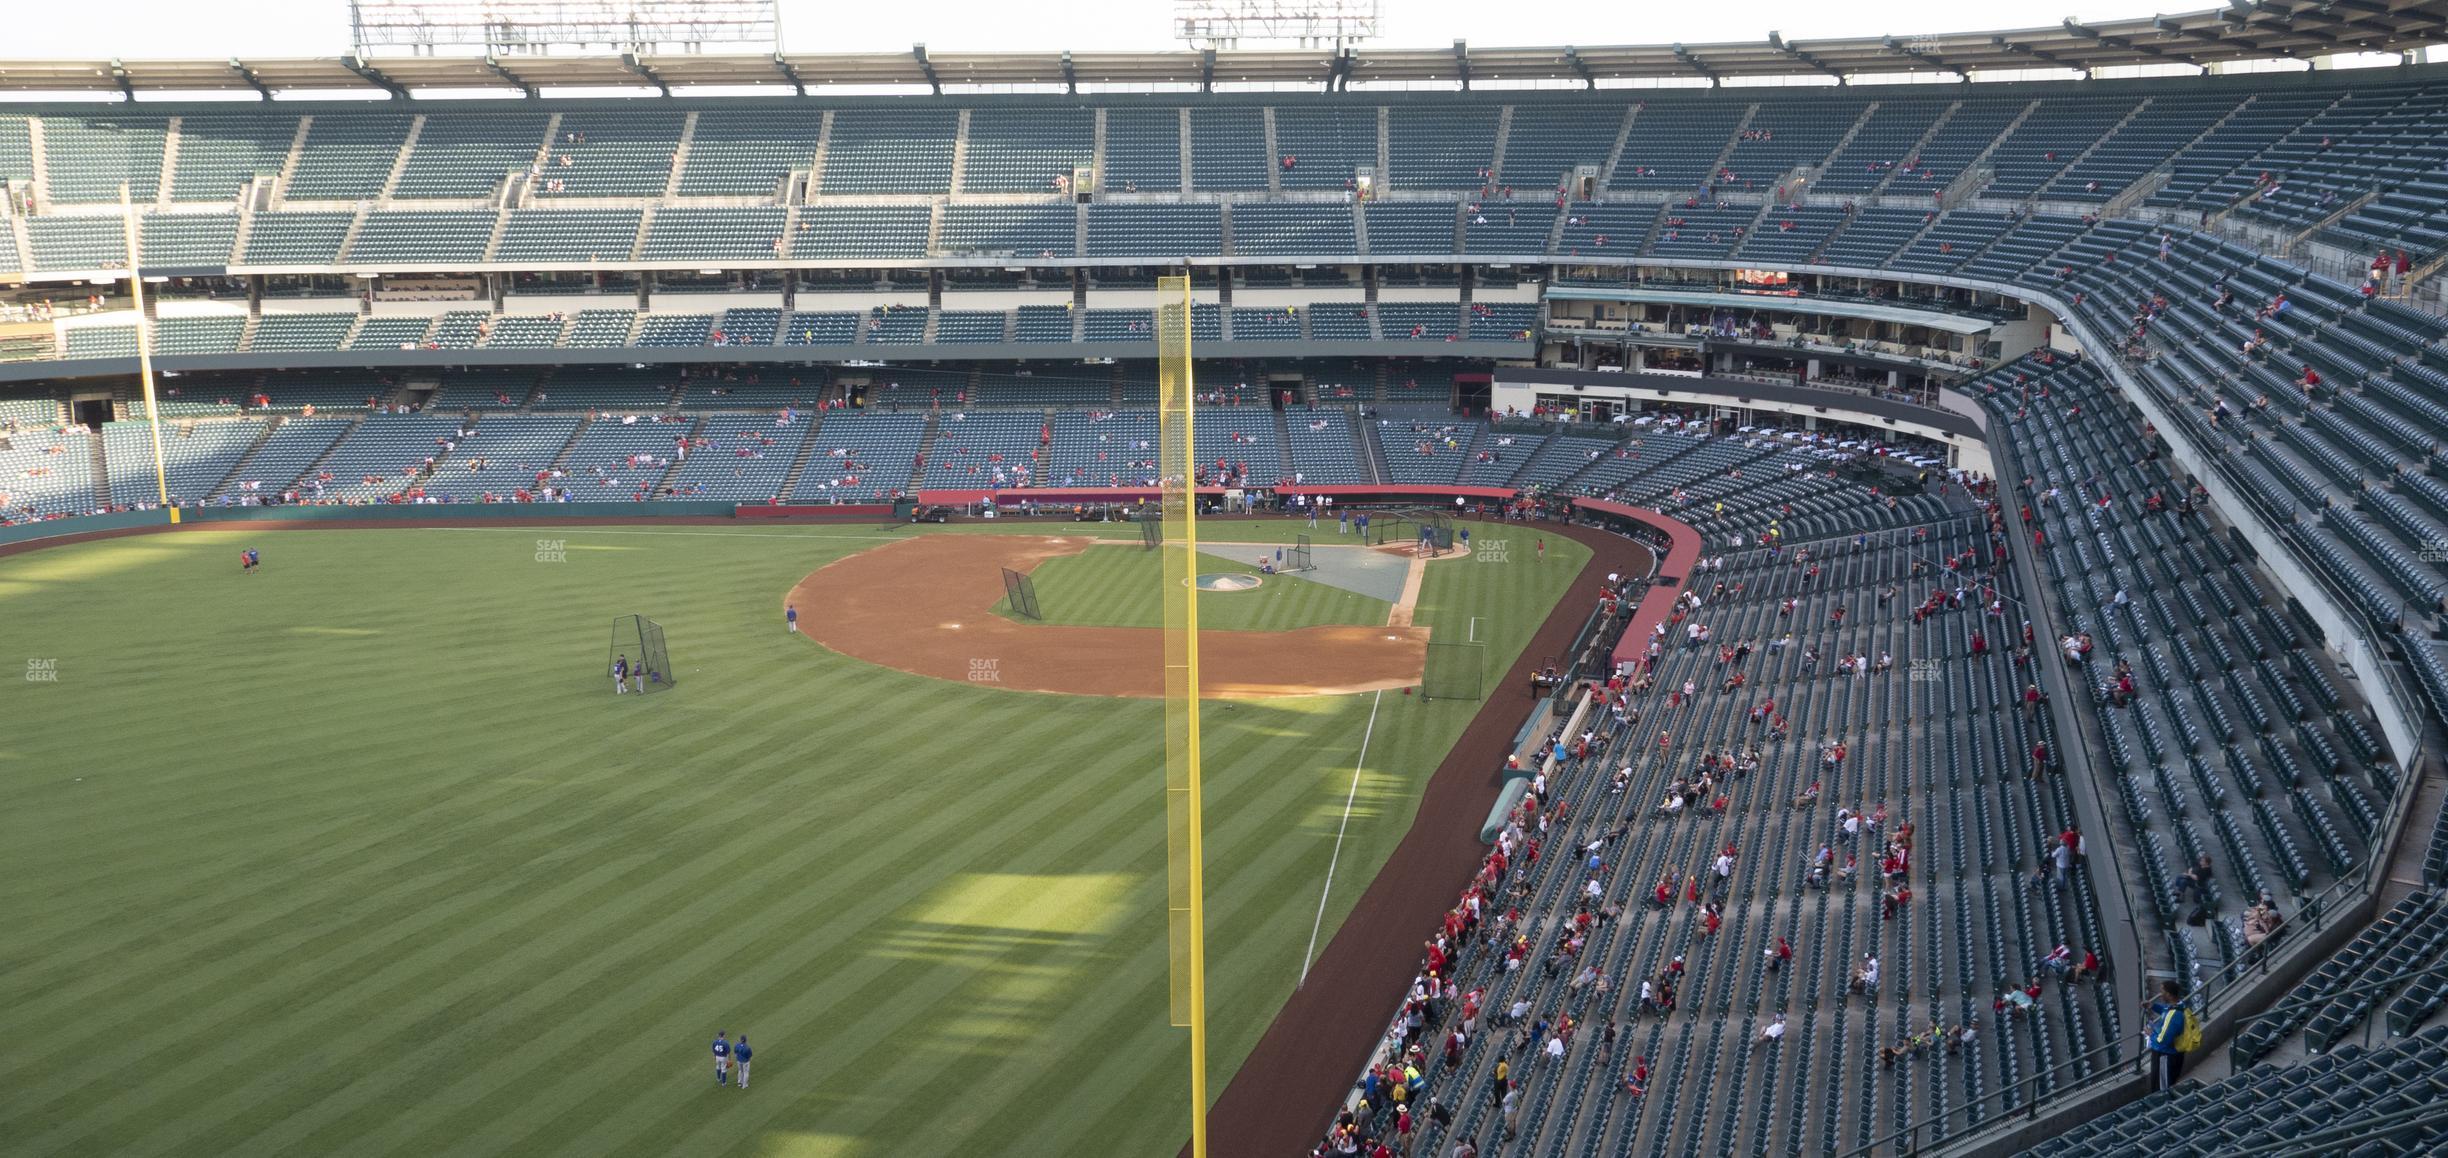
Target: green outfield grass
pixel 1122 586
pixel 356 856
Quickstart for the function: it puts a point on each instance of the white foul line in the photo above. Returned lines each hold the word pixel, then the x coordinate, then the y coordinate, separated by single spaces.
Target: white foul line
pixel 1310 953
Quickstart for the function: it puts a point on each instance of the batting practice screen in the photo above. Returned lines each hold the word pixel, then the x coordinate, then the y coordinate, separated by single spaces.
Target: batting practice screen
pixel 1020 594
pixel 1455 670
pixel 1298 559
pixel 640 641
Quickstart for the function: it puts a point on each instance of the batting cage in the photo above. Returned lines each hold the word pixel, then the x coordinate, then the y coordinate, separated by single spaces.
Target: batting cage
pixel 637 643
pixel 1020 594
pixel 1417 528
pixel 1151 529
pixel 1298 558
pixel 1455 670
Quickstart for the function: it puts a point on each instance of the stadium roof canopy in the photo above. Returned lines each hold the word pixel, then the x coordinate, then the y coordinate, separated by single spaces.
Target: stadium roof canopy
pixel 2244 30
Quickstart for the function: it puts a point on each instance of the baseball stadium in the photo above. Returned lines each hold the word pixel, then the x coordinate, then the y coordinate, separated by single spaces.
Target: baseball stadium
pixel 1240 577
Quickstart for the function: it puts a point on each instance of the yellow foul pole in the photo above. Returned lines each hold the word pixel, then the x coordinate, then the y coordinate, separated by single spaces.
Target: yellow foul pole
pixel 144 351
pixel 1186 924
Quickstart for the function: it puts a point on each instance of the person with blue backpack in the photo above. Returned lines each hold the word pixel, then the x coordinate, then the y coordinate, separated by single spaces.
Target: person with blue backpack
pixel 2170 1032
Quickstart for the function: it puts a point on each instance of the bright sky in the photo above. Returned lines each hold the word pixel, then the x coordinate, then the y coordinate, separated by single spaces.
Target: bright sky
pixel 192 29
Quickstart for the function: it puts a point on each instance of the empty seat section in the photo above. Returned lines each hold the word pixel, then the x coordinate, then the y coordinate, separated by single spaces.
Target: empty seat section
pixel 1142 150
pixel 600 329
pixel 1508 227
pixel 297 238
pixel 1268 324
pixel 2168 123
pixel 196 456
pixel 860 231
pixel 1880 146
pixel 220 155
pixel 1228 149
pixel 957 327
pixel 701 234
pixel 76 243
pixel 749 152
pixel 1327 144
pixel 1339 321
pixel 285 454
pixel 1604 229
pixel 1042 324
pixel 1674 142
pixel 525 332
pixel 821 328
pixel 747 327
pixel 606 154
pixel 1971 128
pixel 588 236
pixel 425 240
pixel 217 334
pixel 274 332
pixel 890 151
pixel 1411 228
pixel 1549 140
pixel 87 158
pixel 1419 321
pixel 1872 236
pixel 1155 230
pixel 1119 326
pixel 1785 133
pixel 669 330
pixel 1026 150
pixel 1292 229
pixel 347 156
pixel 1788 235
pixel 390 333
pixel 99 342
pixel 1439 146
pixel 1017 231
pixel 469 155
pixel 2048 140
pixel 186 240
pixel 1322 451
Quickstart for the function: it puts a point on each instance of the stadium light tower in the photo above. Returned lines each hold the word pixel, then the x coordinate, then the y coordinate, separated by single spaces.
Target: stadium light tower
pixel 543 27
pixel 1302 23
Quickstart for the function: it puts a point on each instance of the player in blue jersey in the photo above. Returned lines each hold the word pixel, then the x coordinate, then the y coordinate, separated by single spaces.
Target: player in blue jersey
pixel 742 1054
pixel 620 676
pixel 722 1060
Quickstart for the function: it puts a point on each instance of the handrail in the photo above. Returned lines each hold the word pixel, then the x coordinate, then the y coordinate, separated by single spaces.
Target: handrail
pixel 2030 1108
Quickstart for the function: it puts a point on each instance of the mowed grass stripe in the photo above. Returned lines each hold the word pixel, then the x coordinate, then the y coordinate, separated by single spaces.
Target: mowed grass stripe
pixel 431 975
pixel 850 991
pixel 449 901
pixel 708 943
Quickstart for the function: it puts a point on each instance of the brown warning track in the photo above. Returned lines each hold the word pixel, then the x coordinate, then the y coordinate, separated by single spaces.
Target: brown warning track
pixel 1284 1095
pixel 926 604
